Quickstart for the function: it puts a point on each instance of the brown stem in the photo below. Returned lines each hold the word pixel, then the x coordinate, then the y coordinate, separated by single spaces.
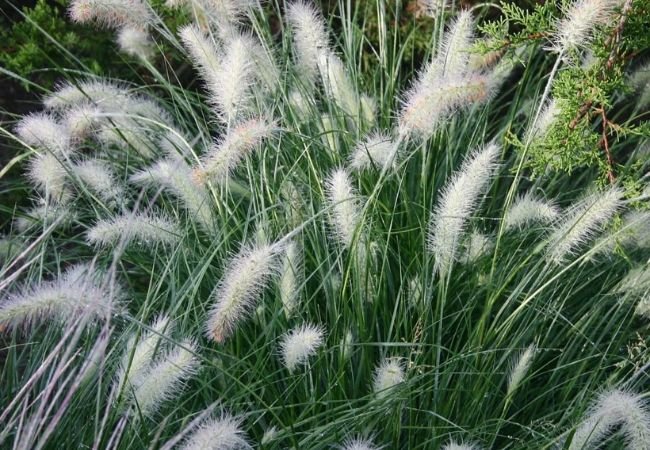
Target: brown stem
pixel 604 143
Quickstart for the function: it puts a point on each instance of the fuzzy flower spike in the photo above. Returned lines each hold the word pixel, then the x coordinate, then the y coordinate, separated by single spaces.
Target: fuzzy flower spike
pixel 343 200
pixel 300 343
pixel 583 220
pixel 309 38
pixel 224 433
pixel 459 200
pixel 612 409
pixel 224 157
pixel 576 29
pixel 75 293
pixel 244 280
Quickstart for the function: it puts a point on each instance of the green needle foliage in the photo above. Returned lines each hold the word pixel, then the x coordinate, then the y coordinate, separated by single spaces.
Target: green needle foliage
pixel 315 246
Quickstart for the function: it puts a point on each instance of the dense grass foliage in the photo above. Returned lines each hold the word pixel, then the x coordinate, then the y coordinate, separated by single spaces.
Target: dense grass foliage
pixel 314 251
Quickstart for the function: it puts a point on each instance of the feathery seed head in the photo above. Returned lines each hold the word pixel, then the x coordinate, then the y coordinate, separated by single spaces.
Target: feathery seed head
pixel 227 154
pixel 378 149
pixel 453 55
pixel 224 433
pixel 112 13
pixel 298 344
pixel 45 215
pixel 388 374
pixel 458 201
pixel 43 131
pixel 476 245
pixel 309 38
pixel 576 29
pixel 71 295
pixel 82 120
pixel 338 85
pixel 236 295
pixel 100 179
pixel 519 368
pixel 137 357
pixel 145 230
pixel 527 210
pixel 230 89
pixel 368 110
pixel 166 378
pixel 97 92
pixel 583 220
pixel 614 408
pixel 452 445
pixel 343 201
pixel 359 443
pixel 428 104
pixel 135 41
pixel 547 118
pixel 270 434
pixel 49 175
pixel 291 278
pixel 176 177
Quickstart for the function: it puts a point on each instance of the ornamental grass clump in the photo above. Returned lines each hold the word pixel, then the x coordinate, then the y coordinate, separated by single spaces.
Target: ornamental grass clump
pixel 359 225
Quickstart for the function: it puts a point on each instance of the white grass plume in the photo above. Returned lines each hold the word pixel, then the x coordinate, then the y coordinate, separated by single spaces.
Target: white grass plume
pixel 519 368
pixel 224 433
pixel 454 53
pixel 576 29
pixel 166 378
pixel 388 374
pixel 427 105
pixel 291 278
pixel 453 445
pixel 612 409
pixel 203 53
pixel 44 215
pixel 41 130
pixel 135 41
pixel 338 85
pixel 527 210
pixel 175 176
pixel 298 344
pixel 234 78
pixel 83 120
pixel 245 278
pixel 476 245
pixel 224 157
pixel 98 177
pixel 141 229
pixel 128 135
pixel 97 92
pixel 112 13
pixel 343 200
pixel 446 85
pixel 229 69
pixel 547 118
pixel 458 201
pixel 376 150
pixel 309 38
pixel 139 354
pixel 75 293
pixel 583 220
pixel 358 443
pixel 48 175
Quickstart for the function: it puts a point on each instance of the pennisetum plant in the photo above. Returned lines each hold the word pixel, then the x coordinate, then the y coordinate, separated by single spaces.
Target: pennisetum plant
pixel 311 216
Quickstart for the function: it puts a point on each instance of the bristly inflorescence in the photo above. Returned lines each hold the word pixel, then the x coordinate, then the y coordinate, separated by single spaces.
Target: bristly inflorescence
pixel 78 293
pixel 222 433
pixel 245 278
pixel 299 343
pixel 614 408
pixel 458 201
